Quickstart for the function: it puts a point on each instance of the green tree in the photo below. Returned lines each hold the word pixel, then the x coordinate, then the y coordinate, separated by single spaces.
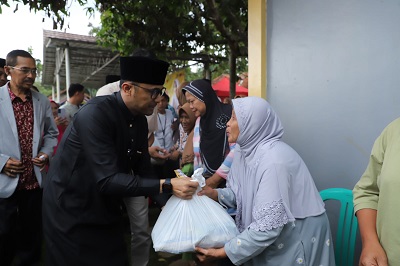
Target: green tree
pixel 39 65
pixel 46 90
pixel 207 31
pixel 180 31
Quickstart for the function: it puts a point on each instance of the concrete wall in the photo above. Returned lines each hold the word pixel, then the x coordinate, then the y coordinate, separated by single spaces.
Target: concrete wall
pixel 333 78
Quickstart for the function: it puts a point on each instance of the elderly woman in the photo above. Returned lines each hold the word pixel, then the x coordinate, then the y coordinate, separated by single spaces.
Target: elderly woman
pixel 211 148
pixel 280 215
pixel 187 120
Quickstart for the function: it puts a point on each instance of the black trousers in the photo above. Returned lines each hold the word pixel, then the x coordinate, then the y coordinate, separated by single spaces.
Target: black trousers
pixel 21 228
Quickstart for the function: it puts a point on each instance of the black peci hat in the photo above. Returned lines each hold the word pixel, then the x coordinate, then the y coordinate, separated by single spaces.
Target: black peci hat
pixel 112 78
pixel 2 62
pixel 143 70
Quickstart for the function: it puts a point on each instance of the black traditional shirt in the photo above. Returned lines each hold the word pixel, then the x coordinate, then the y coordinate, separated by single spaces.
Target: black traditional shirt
pixel 102 158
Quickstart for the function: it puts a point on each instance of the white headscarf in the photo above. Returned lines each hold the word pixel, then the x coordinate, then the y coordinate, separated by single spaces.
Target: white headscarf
pixel 271 183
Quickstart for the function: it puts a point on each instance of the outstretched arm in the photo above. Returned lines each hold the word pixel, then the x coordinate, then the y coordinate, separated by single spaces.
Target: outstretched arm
pixel 372 252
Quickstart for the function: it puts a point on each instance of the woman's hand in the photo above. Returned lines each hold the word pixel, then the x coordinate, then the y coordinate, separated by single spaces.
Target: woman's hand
pixel 189 158
pixel 61 121
pixel 209 192
pixel 210 254
pixel 214 180
pixel 174 155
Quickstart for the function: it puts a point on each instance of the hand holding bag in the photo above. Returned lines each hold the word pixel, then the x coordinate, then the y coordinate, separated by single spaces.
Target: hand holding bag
pixel 185 224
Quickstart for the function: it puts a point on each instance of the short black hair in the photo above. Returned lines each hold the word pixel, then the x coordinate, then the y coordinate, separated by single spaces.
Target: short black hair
pixel 74 88
pixel 11 59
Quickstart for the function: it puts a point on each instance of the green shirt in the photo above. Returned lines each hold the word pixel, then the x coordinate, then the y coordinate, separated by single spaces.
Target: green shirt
pixel 379 189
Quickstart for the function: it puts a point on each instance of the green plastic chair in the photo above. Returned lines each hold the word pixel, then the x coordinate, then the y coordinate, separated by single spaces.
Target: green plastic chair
pixel 347 225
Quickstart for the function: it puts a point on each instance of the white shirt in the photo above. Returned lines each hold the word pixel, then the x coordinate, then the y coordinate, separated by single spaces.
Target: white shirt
pixel 70 110
pixel 164 133
pixel 108 89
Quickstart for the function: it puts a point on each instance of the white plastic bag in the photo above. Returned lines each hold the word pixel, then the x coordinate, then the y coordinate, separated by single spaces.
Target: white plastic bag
pixel 185 224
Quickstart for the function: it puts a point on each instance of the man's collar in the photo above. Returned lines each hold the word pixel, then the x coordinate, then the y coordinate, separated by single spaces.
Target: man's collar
pixel 13 96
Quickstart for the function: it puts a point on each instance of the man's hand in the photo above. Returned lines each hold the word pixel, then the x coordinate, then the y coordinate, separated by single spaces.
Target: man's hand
pixel 372 252
pixel 373 255
pixel 41 160
pixel 183 187
pixel 158 153
pixel 13 167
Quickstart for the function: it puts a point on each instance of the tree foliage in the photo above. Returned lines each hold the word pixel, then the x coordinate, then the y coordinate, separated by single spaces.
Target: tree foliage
pixel 195 30
pixel 178 30
pixel 207 31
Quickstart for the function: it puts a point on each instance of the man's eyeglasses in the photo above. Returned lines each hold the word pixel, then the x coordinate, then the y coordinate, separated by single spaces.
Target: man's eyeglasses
pixel 26 70
pixel 155 92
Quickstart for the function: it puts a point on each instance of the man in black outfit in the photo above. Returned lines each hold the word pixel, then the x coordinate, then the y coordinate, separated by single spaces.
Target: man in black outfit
pixel 103 158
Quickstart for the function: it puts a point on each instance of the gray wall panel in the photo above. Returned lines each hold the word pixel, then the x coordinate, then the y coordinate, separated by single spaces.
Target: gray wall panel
pixel 333 78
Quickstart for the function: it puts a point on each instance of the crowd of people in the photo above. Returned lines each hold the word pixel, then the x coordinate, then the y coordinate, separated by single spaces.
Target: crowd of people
pixel 69 172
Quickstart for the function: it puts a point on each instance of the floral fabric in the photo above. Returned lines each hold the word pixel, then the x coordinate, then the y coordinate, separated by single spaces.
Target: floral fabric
pixel 23 112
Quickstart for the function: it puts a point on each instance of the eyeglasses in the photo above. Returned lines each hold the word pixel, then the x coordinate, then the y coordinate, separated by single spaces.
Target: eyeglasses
pixel 26 70
pixel 155 92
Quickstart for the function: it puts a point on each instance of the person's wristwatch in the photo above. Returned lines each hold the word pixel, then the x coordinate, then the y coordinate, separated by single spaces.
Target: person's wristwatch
pixel 167 186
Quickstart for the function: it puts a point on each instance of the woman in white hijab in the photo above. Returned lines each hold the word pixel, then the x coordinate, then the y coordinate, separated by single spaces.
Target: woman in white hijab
pixel 280 214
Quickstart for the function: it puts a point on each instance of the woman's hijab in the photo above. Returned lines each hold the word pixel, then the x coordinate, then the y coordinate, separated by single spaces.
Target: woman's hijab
pixel 267 176
pixel 213 140
pixel 180 95
pixel 188 153
pixel 258 124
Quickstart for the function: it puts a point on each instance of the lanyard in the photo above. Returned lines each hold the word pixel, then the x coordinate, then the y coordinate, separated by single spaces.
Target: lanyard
pixel 165 126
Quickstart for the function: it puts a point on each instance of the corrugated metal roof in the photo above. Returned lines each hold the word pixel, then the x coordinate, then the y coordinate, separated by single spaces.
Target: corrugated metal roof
pixel 89 62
